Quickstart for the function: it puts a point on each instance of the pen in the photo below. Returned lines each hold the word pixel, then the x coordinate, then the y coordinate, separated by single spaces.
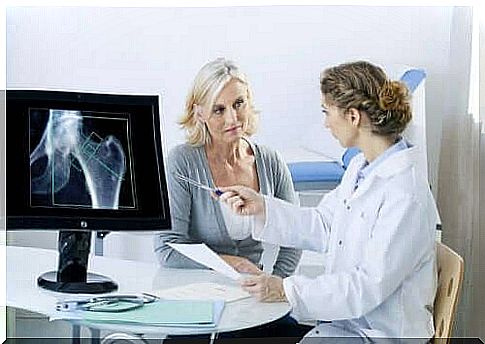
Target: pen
pixel 197 184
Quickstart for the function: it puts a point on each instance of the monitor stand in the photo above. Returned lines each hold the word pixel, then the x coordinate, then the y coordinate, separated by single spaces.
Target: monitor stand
pixel 71 275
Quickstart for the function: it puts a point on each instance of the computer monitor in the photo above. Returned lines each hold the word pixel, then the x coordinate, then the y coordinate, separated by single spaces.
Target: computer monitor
pixel 80 162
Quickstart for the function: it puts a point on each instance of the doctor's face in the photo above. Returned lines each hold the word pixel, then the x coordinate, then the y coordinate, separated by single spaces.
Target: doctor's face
pixel 339 123
pixel 227 120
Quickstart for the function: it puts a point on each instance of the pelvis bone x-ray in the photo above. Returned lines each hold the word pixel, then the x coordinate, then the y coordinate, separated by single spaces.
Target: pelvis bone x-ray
pixel 80 159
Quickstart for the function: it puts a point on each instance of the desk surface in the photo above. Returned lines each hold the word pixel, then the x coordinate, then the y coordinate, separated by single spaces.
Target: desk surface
pixel 24 265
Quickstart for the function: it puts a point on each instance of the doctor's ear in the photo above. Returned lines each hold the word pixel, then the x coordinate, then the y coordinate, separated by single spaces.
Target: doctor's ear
pixel 355 116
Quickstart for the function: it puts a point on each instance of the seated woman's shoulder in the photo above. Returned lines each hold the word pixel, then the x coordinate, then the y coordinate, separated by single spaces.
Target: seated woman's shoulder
pixel 182 150
pixel 267 152
pixel 182 155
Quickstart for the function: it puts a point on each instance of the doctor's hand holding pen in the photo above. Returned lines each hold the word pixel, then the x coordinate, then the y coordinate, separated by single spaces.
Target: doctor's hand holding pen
pixel 242 200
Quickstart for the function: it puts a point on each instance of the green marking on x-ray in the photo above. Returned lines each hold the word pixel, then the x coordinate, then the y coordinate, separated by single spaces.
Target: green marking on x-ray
pixel 94 151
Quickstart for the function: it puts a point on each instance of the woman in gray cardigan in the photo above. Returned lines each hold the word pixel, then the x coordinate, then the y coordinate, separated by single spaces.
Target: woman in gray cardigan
pixel 219 117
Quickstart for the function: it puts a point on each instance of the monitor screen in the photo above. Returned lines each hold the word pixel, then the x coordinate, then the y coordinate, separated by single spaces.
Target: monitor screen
pixel 87 161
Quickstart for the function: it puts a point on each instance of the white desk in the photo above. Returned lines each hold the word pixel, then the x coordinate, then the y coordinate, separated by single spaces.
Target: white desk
pixel 24 265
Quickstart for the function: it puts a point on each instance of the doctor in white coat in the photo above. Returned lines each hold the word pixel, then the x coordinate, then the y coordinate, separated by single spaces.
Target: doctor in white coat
pixel 376 228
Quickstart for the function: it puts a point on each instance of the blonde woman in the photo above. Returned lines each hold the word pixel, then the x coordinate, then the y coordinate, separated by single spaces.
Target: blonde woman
pixel 219 120
pixel 376 228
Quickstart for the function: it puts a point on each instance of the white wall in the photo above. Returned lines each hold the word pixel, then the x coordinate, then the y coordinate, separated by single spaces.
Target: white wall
pixel 281 48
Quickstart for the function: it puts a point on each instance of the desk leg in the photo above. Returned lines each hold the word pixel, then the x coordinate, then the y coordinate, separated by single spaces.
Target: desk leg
pixel 213 337
pixel 76 334
pixel 95 336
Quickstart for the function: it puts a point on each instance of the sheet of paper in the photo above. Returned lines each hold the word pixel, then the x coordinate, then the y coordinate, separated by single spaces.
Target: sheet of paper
pixel 203 291
pixel 205 256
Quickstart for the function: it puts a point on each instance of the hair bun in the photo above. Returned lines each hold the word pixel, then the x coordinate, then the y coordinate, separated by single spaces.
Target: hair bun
pixel 393 96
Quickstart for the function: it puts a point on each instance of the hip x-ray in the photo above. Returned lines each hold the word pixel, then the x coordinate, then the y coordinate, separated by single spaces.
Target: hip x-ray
pixel 80 159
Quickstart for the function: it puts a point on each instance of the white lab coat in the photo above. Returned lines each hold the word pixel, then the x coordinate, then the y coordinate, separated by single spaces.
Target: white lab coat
pixel 379 245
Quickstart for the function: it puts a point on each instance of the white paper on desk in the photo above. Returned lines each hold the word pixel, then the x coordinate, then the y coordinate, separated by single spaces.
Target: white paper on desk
pixel 205 256
pixel 203 291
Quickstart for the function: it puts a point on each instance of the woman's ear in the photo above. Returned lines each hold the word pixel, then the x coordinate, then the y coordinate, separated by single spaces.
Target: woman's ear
pixel 355 117
pixel 199 114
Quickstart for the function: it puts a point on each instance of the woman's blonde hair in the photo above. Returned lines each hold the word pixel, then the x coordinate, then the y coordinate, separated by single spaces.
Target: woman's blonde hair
pixel 207 85
pixel 365 87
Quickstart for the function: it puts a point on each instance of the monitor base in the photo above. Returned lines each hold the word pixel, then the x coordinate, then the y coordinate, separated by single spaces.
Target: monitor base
pixel 94 284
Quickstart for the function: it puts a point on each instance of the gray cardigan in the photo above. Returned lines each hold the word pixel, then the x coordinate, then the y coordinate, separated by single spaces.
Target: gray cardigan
pixel 197 217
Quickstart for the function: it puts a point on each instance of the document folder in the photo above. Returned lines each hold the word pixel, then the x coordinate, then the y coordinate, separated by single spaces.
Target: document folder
pixel 164 313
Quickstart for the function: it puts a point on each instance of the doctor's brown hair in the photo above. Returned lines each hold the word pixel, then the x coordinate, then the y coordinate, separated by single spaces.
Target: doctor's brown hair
pixel 365 87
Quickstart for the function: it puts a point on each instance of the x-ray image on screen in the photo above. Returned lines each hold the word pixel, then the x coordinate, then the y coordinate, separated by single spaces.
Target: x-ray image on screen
pixel 80 159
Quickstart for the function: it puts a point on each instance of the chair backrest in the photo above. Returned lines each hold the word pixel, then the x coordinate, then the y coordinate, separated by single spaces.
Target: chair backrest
pixel 450 278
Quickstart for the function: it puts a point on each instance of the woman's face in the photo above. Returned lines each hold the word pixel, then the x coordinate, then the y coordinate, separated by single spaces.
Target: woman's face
pixel 227 120
pixel 340 124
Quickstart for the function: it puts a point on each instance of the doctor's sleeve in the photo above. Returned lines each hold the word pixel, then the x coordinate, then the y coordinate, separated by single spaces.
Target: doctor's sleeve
pixel 402 240
pixel 289 225
pixel 288 257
